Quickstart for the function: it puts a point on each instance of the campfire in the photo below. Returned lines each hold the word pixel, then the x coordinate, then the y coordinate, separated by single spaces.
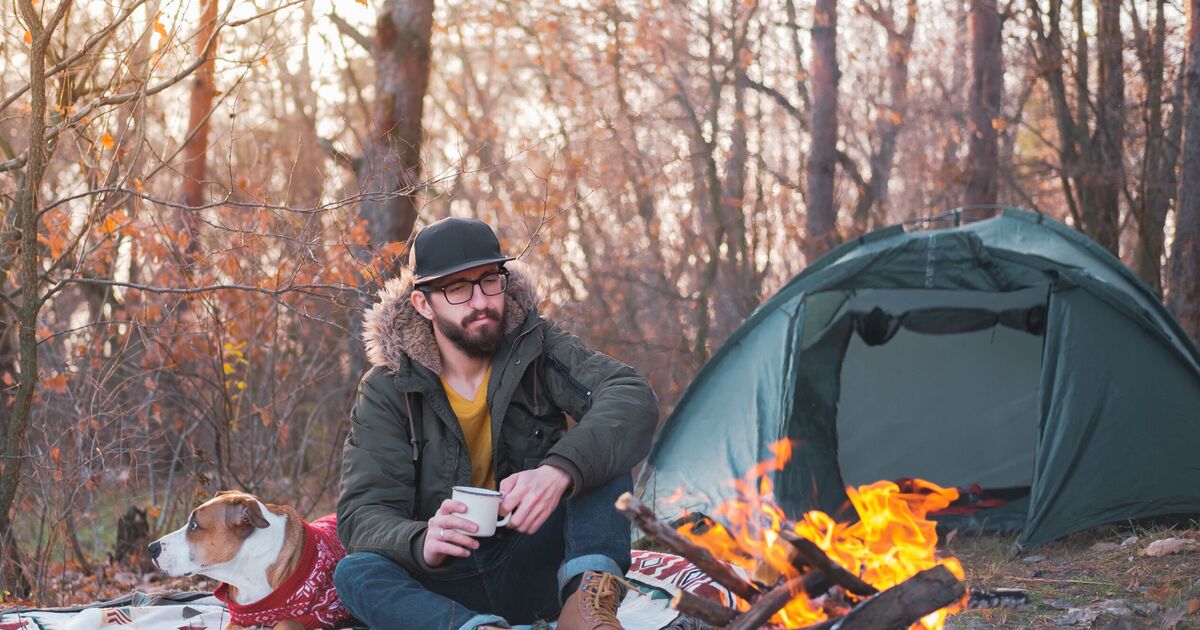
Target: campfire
pixel 882 571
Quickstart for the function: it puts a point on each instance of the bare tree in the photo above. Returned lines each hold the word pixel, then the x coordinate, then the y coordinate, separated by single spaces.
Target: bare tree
pixel 1157 184
pixel 987 88
pixel 1102 215
pixel 1183 297
pixel 889 121
pixel 200 104
pixel 28 198
pixel 1090 170
pixel 68 220
pixel 821 219
pixel 390 174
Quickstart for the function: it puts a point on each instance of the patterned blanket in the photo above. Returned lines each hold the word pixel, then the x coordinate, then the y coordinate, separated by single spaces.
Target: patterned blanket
pixel 656 575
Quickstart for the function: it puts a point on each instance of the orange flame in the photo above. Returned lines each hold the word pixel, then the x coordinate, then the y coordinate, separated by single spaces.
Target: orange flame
pixel 892 541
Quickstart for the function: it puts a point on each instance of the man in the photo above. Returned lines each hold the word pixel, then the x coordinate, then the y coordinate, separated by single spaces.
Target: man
pixel 470 387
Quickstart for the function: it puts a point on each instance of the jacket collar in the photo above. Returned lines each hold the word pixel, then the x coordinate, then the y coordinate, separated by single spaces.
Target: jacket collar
pixel 395 335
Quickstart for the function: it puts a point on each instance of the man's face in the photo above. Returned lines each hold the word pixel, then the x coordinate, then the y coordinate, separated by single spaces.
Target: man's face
pixel 475 326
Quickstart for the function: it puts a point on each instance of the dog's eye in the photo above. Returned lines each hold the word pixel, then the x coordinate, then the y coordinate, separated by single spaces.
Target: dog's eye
pixel 193 526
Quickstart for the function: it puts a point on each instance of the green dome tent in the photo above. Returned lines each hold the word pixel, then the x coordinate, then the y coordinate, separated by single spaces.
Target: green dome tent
pixel 1010 354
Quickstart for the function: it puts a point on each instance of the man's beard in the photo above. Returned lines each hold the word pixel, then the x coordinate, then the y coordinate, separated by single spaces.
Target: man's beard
pixel 481 343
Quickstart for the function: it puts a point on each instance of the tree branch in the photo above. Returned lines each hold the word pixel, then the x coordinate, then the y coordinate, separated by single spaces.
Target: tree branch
pixel 118 99
pixel 779 99
pixel 90 43
pixel 349 31
pixel 293 288
pixel 648 522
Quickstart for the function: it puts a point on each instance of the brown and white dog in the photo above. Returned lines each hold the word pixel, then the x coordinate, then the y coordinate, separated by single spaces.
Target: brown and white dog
pixel 276 570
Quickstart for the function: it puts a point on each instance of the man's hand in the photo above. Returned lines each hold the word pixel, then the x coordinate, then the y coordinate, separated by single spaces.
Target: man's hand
pixel 532 495
pixel 445 535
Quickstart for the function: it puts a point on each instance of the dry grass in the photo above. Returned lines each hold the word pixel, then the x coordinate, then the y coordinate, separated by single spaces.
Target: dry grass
pixel 1083 570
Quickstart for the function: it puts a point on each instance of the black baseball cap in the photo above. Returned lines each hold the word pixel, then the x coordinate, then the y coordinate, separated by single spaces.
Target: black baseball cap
pixel 451 245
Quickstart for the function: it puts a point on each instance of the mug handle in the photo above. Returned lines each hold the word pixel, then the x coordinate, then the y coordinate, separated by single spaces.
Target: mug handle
pixel 504 521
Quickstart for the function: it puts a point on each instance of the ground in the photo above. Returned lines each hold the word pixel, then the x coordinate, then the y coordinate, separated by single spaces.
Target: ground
pixel 1096 579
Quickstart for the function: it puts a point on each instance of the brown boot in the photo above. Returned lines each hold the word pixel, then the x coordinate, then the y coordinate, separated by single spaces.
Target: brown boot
pixel 594 605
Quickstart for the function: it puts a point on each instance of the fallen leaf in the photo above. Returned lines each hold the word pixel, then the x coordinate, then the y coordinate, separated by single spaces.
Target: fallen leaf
pixel 1160 594
pixel 1168 546
pixel 1193 606
pixel 1132 540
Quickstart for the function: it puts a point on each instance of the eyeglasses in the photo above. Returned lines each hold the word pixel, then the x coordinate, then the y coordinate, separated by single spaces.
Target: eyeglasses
pixel 460 292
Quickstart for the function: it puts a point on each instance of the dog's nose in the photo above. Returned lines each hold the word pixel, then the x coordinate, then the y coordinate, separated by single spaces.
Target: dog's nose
pixel 155 549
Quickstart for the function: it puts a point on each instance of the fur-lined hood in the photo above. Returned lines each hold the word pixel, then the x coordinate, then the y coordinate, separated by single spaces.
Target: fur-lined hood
pixel 394 332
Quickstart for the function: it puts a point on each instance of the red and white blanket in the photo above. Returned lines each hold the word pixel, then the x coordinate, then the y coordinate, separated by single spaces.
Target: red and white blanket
pixel 656 575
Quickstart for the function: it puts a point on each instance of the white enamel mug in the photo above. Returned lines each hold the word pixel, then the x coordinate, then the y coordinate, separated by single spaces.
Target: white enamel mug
pixel 483 506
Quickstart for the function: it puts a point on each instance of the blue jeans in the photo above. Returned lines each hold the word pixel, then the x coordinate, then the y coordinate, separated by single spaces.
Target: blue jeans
pixel 511 578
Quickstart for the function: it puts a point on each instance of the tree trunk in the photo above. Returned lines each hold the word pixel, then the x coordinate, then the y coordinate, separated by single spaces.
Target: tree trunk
pixel 204 90
pixel 388 177
pixel 987 87
pixel 707 197
pixel 306 184
pixel 821 220
pixel 947 191
pixel 1183 285
pixel 392 171
pixel 1104 209
pixel 890 121
pixel 12 578
pixel 1050 58
pixel 797 52
pixel 1160 157
pixel 1090 163
pixel 737 268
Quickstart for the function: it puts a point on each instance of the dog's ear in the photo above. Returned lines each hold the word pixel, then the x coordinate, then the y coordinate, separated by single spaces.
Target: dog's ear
pixel 244 512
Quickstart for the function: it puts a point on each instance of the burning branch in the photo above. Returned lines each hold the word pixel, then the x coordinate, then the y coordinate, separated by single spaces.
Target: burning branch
pixel 903 604
pixel 890 544
pixel 809 555
pixel 705 610
pixel 766 606
pixel 896 607
pixel 721 573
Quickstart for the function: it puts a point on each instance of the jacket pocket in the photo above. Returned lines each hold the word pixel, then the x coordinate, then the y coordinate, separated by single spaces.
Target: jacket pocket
pixel 572 382
pixel 528 437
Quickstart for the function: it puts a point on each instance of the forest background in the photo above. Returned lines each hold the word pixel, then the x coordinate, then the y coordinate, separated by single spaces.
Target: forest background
pixel 199 198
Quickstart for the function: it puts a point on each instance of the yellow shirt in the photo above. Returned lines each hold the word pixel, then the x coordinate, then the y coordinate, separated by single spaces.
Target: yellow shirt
pixel 476 421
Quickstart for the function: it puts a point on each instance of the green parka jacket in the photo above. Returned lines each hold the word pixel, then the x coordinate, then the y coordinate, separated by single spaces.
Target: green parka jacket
pixel 405 450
